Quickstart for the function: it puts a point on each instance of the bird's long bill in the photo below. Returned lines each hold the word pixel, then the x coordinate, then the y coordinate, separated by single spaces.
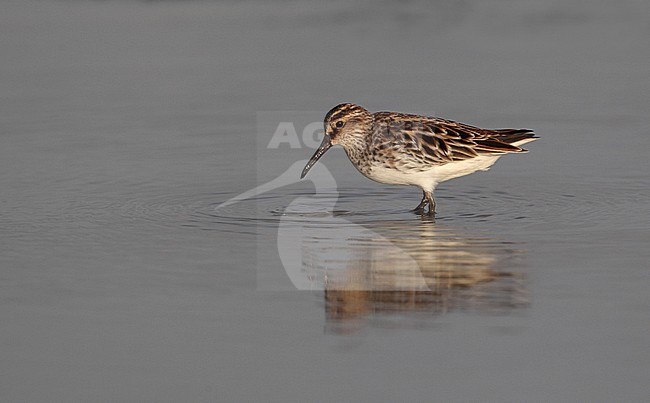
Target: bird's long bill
pixel 324 146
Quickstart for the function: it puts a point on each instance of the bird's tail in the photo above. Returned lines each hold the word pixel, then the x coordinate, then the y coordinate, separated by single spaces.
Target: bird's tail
pixel 512 136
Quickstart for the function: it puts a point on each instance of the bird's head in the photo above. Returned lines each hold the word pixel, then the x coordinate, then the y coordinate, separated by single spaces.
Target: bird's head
pixel 346 125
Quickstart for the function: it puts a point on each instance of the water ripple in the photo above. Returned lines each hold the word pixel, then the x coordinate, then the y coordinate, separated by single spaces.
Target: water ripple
pixel 535 207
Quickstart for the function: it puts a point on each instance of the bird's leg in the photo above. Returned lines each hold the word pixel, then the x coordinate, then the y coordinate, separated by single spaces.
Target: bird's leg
pixel 431 202
pixel 423 203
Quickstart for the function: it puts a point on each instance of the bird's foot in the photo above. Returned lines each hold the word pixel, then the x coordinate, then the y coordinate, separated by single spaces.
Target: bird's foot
pixel 428 213
pixel 423 211
pixel 419 210
pixel 427 200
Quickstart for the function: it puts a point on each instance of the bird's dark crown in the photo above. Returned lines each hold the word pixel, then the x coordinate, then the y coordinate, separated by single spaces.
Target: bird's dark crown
pixel 344 111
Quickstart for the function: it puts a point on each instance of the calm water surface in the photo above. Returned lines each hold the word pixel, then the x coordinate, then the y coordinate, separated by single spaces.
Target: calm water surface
pixel 125 125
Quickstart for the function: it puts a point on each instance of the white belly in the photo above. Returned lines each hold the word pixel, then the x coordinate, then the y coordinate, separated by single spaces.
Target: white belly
pixel 429 179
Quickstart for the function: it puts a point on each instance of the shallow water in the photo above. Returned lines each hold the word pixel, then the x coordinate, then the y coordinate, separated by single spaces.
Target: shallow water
pixel 126 125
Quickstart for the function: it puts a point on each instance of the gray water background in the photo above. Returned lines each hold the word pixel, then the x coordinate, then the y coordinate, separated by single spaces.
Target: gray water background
pixel 124 124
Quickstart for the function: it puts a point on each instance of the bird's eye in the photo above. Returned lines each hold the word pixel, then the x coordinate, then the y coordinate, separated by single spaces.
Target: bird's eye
pixel 339 124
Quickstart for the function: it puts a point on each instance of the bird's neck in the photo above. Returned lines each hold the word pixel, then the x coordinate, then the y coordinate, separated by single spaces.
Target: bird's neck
pixel 357 145
pixel 359 154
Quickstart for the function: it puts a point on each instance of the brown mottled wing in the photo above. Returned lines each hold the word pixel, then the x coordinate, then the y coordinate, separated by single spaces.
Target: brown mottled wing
pixel 439 141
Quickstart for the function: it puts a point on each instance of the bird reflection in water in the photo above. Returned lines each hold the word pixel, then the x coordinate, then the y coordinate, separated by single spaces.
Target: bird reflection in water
pixel 377 270
pixel 411 272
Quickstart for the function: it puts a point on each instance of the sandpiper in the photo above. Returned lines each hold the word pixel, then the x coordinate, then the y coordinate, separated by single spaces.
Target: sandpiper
pixel 405 149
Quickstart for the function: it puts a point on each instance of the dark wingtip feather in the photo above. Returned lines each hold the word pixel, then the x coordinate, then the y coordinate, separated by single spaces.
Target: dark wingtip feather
pixel 496 145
